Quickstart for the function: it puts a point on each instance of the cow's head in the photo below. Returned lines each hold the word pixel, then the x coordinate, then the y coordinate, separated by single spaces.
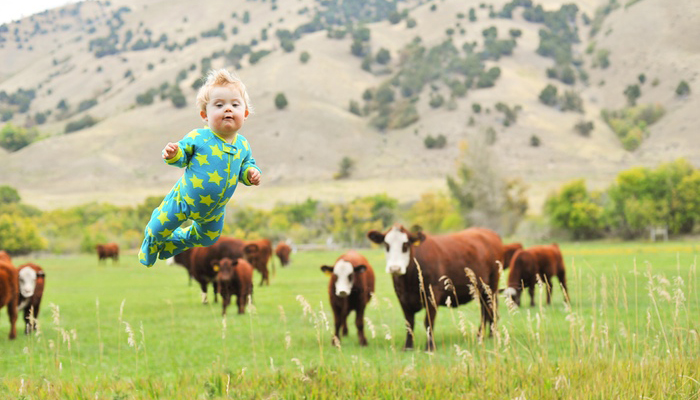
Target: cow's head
pixel 224 268
pixel 344 273
pixel 521 273
pixel 397 243
pixel 27 282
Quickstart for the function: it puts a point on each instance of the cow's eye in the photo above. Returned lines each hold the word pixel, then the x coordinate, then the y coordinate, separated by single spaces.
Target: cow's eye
pixel 404 247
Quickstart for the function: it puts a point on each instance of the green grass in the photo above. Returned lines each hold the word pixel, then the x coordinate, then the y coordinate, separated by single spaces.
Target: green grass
pixel 631 332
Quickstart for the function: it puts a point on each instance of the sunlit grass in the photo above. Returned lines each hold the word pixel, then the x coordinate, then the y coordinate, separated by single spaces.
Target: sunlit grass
pixel 124 331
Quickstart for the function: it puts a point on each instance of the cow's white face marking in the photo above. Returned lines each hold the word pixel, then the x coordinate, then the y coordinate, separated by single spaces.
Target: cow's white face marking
pixel 398 254
pixel 27 281
pixel 343 270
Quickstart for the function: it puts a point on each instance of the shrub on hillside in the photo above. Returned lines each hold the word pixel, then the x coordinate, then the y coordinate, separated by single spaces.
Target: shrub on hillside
pixel 13 138
pixel 584 128
pixel 304 57
pixel 683 89
pixel 631 124
pixel 84 122
pixel 281 101
pixel 345 168
pixel 437 142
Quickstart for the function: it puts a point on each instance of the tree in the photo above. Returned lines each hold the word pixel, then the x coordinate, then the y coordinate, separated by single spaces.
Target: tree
pixel 19 235
pixel 632 93
pixel 304 57
pixel 344 168
pixel 575 209
pixel 8 195
pixel 383 56
pixel 548 95
pixel 14 137
pixel 281 101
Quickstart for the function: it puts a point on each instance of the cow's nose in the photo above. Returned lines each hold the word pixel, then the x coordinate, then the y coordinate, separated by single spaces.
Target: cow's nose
pixel 393 269
pixel 342 293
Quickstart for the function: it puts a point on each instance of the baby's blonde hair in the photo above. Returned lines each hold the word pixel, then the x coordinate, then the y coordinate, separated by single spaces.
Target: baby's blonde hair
pixel 221 77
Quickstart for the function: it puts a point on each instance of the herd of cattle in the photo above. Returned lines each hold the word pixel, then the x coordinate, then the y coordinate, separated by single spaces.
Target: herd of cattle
pixel 427 271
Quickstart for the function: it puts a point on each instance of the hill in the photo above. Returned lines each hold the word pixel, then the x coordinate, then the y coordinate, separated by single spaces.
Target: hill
pixel 97 57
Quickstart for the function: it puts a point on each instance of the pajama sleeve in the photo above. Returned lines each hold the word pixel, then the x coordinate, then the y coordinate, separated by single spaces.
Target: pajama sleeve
pixel 185 151
pixel 248 163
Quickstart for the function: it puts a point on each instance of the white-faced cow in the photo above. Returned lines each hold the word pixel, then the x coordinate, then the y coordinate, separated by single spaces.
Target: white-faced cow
pixel 443 261
pixel 31 288
pixel 350 289
pixel 529 264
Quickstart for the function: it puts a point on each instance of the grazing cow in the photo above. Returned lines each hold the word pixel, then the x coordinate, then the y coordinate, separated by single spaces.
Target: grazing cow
pixel 527 265
pixel 107 250
pixel 234 277
pixel 283 251
pixel 31 288
pixel 350 289
pixel 9 287
pixel 198 261
pixel 5 257
pixel 258 253
pixel 443 261
pixel 508 251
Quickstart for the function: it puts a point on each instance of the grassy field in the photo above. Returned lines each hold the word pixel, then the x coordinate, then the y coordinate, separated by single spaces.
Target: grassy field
pixel 126 332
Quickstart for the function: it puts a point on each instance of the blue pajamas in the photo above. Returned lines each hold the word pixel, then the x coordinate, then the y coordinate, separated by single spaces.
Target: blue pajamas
pixel 213 169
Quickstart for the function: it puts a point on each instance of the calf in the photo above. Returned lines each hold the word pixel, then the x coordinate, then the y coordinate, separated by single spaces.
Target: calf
pixel 198 261
pixel 258 253
pixel 350 289
pixel 107 250
pixel 234 277
pixel 31 289
pixel 429 271
pixel 527 265
pixel 508 251
pixel 9 296
pixel 283 251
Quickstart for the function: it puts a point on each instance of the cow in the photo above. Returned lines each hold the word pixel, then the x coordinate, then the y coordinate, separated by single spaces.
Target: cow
pixel 31 288
pixel 5 257
pixel 442 270
pixel 107 250
pixel 9 296
pixel 198 261
pixel 508 251
pixel 283 251
pixel 529 264
pixel 234 277
pixel 350 289
pixel 258 253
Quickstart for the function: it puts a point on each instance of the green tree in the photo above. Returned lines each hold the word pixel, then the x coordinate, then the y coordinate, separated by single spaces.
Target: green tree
pixel 548 95
pixel 19 235
pixel 13 138
pixel 632 93
pixel 435 213
pixel 281 101
pixel 8 195
pixel 383 56
pixel 576 210
pixel 345 168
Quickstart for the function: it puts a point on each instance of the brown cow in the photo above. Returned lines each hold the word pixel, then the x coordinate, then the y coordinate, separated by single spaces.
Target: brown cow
pixel 258 253
pixel 107 250
pixel 5 257
pixel 234 277
pixel 283 251
pixel 526 265
pixel 198 261
pixel 350 289
pixel 9 288
pixel 508 252
pixel 443 261
pixel 31 288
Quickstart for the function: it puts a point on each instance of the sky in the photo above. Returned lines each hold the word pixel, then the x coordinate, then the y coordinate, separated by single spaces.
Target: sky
pixel 15 9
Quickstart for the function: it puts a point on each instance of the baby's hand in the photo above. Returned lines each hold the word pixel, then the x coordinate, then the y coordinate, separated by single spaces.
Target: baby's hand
pixel 170 150
pixel 254 176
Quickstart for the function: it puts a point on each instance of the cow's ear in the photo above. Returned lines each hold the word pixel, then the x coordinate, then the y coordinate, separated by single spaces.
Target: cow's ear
pixel 215 265
pixel 234 262
pixel 251 248
pixel 376 236
pixel 360 268
pixel 417 238
pixel 327 270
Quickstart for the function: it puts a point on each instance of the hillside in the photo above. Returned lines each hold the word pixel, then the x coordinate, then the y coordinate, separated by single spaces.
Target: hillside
pixel 299 148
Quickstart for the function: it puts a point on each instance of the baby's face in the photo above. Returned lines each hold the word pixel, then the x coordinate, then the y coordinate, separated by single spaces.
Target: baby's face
pixel 226 110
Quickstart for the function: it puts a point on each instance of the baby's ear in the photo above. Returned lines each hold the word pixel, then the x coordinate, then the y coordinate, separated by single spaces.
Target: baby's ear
pixel 203 114
pixel 246 113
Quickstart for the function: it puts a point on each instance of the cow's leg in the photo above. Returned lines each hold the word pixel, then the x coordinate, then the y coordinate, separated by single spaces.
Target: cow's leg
pixel 430 315
pixel 360 324
pixel 216 291
pixel 241 300
pixel 28 319
pixel 225 300
pixel 562 280
pixel 410 317
pixel 487 312
pixel 531 290
pixel 339 318
pixel 547 285
pixel 203 286
pixel 12 313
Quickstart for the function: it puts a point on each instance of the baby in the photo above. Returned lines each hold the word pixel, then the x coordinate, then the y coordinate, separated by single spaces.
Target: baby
pixel 215 159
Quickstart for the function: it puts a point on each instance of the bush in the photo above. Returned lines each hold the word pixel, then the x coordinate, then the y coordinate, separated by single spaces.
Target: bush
pixel 438 142
pixel 19 235
pixel 85 122
pixel 344 168
pixel 354 107
pixel 13 138
pixel 304 57
pixel 535 141
pixel 548 95
pixel 281 101
pixel 177 98
pixel 8 195
pixel 683 89
pixel 436 101
pixel 584 128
